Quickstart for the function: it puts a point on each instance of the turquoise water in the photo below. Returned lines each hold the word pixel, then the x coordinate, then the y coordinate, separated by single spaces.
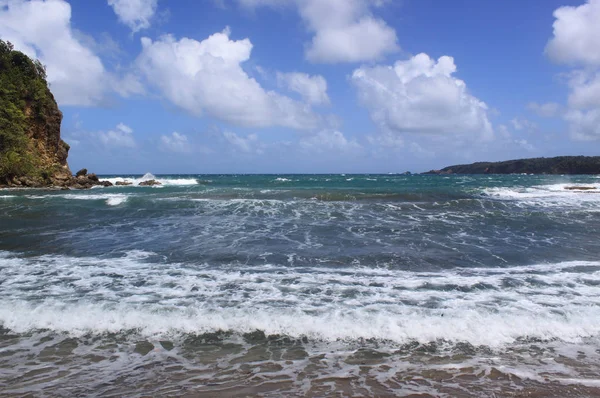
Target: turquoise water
pixel 302 285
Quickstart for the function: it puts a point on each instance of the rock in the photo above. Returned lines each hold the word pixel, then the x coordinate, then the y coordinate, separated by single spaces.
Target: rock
pixel 577 188
pixel 34 120
pixel 123 183
pixel 143 347
pixel 106 183
pixel 149 183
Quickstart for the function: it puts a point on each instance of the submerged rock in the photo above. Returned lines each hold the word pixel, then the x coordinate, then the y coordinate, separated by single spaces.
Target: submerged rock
pixel 123 183
pixel 143 347
pixel 577 188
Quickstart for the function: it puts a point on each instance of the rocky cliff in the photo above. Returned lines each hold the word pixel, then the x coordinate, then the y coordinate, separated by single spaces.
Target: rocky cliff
pixel 556 165
pixel 32 153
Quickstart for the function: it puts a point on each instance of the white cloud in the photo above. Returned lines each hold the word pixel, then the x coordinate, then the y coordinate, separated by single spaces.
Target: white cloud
pixel 313 89
pixel 548 109
pixel 584 125
pixel 576 33
pixel 121 136
pixel 583 113
pixel 42 29
pixel 344 30
pixel 520 123
pixel 328 141
pixel 507 139
pixel 386 140
pixel 207 77
pixel 575 42
pixel 175 142
pixel 585 89
pixel 367 39
pixel 261 3
pixel 420 95
pixel 248 144
pixel 136 14
pixel 525 145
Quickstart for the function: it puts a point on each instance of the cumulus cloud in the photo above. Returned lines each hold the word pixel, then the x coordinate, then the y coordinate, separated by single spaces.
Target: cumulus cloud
pixel 175 142
pixel 120 136
pixel 42 29
pixel 585 89
pixel 136 14
pixel 247 144
pixel 313 89
pixel 328 141
pixel 548 109
pixel 584 125
pixel 343 30
pixel 576 33
pixel 583 105
pixel 575 42
pixel 420 95
pixel 207 77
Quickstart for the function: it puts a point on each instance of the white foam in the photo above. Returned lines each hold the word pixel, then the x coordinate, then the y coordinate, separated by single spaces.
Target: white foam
pixel 548 301
pixel 547 195
pixel 149 176
pixel 111 199
pixel 116 200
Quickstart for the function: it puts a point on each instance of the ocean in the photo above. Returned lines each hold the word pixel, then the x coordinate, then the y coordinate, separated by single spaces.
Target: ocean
pixel 303 285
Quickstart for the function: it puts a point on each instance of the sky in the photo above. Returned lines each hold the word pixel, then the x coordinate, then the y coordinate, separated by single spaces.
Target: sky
pixel 314 86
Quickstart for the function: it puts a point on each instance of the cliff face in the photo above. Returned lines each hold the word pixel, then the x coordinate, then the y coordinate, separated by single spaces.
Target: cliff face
pixel 45 145
pixel 556 165
pixel 31 151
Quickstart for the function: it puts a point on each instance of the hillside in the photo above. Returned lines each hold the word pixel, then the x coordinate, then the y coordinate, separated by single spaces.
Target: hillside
pixel 556 165
pixel 32 154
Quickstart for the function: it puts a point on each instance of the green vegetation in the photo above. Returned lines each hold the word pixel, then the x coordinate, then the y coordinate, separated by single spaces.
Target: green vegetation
pixel 24 100
pixel 556 165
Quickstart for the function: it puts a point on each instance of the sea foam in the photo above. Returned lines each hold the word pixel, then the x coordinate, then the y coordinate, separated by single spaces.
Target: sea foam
pixel 486 306
pixel 165 181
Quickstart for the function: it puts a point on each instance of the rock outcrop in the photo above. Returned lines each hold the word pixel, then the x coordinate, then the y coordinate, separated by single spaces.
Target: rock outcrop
pixel 32 154
pixel 556 165
pixel 149 183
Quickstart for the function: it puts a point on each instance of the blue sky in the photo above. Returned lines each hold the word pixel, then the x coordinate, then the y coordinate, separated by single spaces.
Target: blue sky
pixel 293 86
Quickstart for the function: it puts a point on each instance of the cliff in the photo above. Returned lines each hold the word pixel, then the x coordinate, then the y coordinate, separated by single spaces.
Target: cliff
pixel 32 153
pixel 556 165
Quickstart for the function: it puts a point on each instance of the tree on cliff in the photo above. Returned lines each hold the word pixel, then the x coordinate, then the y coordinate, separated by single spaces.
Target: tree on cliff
pixel 30 144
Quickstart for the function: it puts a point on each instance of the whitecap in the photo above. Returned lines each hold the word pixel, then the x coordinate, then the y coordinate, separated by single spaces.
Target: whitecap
pixel 482 306
pixel 164 181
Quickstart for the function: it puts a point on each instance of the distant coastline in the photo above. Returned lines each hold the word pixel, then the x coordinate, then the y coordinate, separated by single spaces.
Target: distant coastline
pixel 555 165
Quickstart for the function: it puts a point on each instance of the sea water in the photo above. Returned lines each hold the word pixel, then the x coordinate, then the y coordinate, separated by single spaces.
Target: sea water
pixel 302 285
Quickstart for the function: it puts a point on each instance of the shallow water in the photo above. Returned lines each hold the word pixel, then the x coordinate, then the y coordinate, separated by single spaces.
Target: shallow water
pixel 317 285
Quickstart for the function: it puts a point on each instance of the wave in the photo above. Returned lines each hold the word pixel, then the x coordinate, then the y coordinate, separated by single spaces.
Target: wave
pixel 482 306
pixel 547 195
pixel 112 199
pixel 165 181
